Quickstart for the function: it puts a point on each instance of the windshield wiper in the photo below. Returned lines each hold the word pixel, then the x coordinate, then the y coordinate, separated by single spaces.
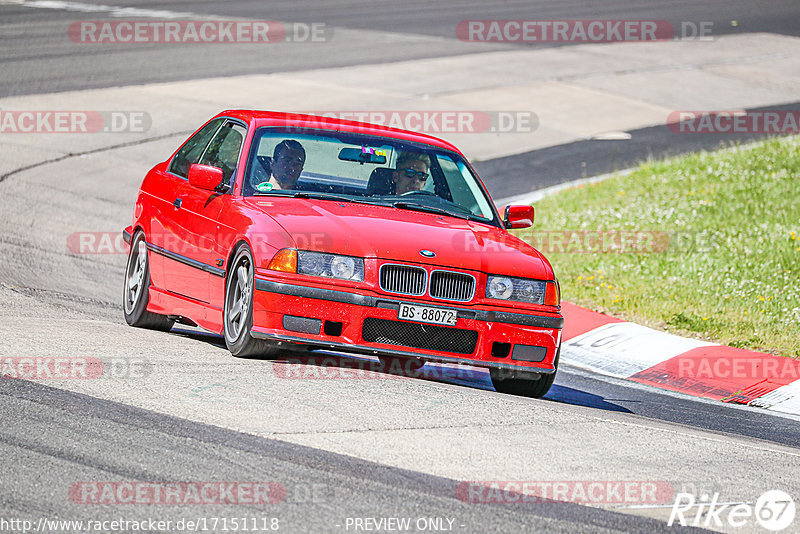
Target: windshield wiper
pixel 428 209
pixel 322 196
pixel 310 195
pixel 277 193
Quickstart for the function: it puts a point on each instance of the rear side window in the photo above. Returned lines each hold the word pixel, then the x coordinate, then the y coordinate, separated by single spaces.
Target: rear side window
pixel 193 149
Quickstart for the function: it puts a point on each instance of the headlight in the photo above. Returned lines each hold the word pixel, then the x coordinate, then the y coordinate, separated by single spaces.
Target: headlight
pixel 343 267
pixel 330 265
pixel 499 287
pixel 522 289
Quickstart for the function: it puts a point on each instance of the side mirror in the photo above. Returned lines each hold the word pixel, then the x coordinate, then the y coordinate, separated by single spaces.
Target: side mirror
pixel 205 176
pixel 518 216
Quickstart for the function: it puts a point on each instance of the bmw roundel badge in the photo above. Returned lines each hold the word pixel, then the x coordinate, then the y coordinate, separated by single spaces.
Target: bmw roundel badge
pixel 427 253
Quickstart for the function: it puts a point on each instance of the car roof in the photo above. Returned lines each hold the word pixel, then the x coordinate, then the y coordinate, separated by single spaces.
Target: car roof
pixel 299 120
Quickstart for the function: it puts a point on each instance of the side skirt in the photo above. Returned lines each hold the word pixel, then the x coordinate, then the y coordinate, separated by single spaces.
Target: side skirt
pixel 165 303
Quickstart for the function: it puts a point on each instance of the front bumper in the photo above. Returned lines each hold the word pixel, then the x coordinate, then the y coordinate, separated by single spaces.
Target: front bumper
pixel 308 310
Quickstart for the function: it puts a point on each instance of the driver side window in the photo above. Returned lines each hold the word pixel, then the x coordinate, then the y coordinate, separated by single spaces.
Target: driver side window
pixel 223 150
pixel 463 187
pixel 193 149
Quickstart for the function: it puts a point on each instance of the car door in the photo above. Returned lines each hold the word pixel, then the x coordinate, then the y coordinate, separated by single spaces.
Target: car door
pixel 169 232
pixel 198 216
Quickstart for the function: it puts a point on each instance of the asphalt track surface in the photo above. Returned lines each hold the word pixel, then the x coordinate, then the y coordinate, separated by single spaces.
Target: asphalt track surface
pixel 38 57
pixel 520 173
pixel 62 430
pixel 51 437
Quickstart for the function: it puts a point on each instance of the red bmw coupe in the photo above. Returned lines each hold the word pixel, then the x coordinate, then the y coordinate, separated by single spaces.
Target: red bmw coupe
pixel 294 231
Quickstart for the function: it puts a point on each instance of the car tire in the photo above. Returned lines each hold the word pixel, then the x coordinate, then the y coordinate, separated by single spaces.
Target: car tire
pixel 237 314
pixel 523 386
pixel 136 294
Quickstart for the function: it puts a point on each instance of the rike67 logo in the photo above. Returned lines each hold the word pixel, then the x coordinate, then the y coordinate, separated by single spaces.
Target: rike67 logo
pixel 774 510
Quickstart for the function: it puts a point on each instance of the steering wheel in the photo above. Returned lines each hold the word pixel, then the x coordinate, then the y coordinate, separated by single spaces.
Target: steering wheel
pixel 260 172
pixel 418 192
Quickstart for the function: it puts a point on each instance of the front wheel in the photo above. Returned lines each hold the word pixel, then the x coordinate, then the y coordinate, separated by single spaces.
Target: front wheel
pixel 136 293
pixel 238 309
pixel 525 387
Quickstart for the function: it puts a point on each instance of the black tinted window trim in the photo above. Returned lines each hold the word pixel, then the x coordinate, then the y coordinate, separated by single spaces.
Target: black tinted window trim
pixel 223 122
pixel 229 122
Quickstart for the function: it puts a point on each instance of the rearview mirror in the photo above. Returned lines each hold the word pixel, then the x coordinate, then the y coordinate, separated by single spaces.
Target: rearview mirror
pixel 518 216
pixel 363 155
pixel 205 176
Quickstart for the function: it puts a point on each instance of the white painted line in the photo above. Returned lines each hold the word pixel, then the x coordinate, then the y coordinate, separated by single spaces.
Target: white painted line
pixel 114 11
pixel 624 349
pixel 539 194
pixel 612 136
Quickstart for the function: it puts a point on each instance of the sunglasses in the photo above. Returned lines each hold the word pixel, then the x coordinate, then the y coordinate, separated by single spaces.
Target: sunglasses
pixel 411 173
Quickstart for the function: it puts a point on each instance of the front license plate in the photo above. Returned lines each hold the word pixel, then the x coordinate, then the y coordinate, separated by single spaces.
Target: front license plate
pixel 425 314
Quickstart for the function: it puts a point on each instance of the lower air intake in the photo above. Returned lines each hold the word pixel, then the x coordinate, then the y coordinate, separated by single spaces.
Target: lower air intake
pixel 419 336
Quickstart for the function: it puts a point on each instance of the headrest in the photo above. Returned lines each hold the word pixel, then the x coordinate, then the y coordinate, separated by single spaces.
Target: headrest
pixel 380 182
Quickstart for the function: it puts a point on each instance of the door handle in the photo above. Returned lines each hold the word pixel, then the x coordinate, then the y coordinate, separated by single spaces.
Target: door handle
pixel 177 203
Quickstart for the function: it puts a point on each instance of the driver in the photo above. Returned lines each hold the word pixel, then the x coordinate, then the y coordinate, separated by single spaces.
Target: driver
pixel 284 167
pixel 411 172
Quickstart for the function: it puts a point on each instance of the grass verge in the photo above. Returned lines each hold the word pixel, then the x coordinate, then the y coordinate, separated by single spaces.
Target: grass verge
pixel 706 245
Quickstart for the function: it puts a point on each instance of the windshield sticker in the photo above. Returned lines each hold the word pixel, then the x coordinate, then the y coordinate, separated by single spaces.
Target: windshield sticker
pixel 370 150
pixel 265 187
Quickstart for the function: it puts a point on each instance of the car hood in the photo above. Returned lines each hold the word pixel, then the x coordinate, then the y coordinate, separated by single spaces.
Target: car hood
pixel 395 234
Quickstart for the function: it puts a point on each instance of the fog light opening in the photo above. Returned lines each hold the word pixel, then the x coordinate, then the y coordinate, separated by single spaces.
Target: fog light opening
pixel 333 328
pixel 500 350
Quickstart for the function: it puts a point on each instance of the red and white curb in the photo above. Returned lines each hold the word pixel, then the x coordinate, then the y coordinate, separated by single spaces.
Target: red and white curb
pixel 613 347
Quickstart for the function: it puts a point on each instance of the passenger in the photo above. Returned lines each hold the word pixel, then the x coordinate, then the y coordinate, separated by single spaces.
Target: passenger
pixel 411 172
pixel 283 168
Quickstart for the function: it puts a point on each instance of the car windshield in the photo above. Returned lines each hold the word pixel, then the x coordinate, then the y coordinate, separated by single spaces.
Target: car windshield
pixel 362 168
